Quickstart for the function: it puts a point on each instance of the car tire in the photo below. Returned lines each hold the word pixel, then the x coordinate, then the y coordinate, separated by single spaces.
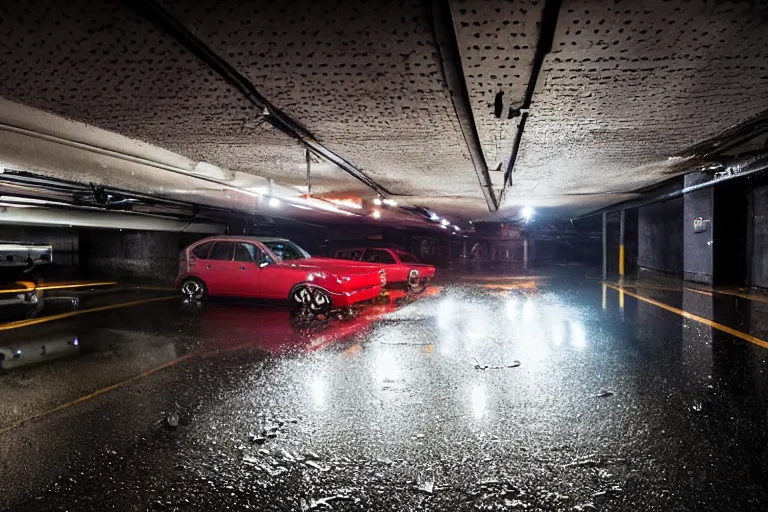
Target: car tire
pixel 314 300
pixel 195 289
pixel 415 285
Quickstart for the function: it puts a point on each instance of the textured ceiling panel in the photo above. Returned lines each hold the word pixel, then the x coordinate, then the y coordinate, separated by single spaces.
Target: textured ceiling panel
pixel 100 63
pixel 364 77
pixel 497 40
pixel 630 84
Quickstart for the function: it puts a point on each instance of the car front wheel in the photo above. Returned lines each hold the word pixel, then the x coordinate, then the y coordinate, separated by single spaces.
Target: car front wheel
pixel 314 300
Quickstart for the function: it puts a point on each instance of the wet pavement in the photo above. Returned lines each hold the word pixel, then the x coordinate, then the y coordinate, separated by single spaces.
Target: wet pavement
pixel 492 394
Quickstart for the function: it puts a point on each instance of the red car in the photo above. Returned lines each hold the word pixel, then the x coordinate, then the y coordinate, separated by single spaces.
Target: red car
pixel 274 268
pixel 403 269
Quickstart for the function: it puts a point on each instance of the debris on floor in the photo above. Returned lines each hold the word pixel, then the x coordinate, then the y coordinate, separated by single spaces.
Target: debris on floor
pixel 604 393
pixel 172 420
pixel 482 366
pixel 427 486
pixel 324 503
pixel 315 465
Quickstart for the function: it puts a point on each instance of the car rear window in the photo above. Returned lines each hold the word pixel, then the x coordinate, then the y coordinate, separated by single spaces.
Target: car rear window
pixel 378 256
pixel 222 251
pixel 407 258
pixel 202 250
pixel 349 254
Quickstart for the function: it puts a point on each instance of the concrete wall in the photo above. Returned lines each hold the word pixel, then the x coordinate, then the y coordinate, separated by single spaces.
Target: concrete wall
pixel 758 256
pixel 143 255
pixel 660 237
pixel 698 264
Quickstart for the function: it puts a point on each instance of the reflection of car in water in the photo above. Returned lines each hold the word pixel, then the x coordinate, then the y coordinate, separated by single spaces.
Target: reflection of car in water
pixel 404 270
pixel 232 328
pixel 18 282
pixel 275 268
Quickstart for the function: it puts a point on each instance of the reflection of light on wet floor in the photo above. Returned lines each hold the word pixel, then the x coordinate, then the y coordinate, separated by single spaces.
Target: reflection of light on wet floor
pixel 385 367
pixel 479 400
pixel 529 311
pixel 511 308
pixel 578 335
pixel 446 311
pixel 317 389
pixel 558 333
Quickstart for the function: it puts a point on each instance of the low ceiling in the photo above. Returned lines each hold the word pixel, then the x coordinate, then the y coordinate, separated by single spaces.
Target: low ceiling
pixel 626 87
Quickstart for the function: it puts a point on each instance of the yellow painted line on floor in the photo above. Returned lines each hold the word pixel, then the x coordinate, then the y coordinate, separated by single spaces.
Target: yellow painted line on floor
pixel 748 296
pixel 57 286
pixel 34 321
pixel 703 292
pixel 99 392
pixel 691 316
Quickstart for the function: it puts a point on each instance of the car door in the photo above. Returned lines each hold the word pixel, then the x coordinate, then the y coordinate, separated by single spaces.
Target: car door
pixel 219 269
pixel 247 281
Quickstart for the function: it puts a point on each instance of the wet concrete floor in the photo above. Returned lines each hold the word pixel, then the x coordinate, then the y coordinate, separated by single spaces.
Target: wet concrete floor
pixel 495 394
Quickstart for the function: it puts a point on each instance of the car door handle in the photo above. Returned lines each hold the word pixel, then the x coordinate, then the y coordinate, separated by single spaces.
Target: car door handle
pixel 208 267
pixel 242 268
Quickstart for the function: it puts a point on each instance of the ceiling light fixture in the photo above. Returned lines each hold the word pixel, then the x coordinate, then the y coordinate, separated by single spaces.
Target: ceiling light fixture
pixel 377 201
pixel 274 202
pixel 445 222
pixel 376 214
pixel 527 213
pixel 389 202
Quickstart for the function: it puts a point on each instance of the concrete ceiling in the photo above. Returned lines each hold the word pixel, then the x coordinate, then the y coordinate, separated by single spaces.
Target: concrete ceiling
pixel 625 87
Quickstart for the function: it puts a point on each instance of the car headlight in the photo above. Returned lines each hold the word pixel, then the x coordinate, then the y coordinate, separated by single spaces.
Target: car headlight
pixel 383 277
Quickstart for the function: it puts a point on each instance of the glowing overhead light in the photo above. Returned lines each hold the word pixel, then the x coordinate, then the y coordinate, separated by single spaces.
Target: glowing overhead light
pixel 389 202
pixel 434 216
pixel 445 222
pixel 527 213
pixel 259 190
pixel 376 214
pixel 377 201
pixel 274 202
pixel 12 205
pixel 300 206
pixel 444 226
pixel 456 228
pixel 26 200
pixel 347 203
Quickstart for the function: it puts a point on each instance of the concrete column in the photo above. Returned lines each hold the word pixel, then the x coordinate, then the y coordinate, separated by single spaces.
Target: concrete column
pixel 622 219
pixel 698 212
pixel 605 246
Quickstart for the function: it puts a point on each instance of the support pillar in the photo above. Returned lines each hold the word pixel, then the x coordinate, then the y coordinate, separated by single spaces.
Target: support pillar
pixel 605 246
pixel 525 252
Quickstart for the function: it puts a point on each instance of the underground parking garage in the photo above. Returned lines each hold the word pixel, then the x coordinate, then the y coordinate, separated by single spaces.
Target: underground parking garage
pixel 406 255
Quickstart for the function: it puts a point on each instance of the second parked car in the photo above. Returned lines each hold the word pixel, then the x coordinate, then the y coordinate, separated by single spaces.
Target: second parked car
pixel 404 270
pixel 275 268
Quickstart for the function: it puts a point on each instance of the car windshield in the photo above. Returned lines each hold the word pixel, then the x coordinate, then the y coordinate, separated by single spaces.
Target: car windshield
pixel 286 250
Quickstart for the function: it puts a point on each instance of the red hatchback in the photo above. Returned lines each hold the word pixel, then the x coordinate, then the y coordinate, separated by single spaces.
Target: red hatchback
pixel 403 269
pixel 274 268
